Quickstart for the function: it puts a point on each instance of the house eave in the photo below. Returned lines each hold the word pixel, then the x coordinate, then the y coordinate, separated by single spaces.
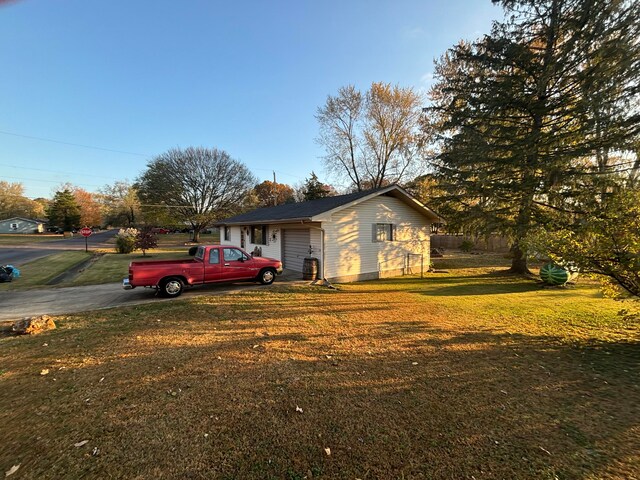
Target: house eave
pixel 267 222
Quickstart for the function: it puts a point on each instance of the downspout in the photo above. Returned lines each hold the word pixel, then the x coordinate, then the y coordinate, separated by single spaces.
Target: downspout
pixel 321 250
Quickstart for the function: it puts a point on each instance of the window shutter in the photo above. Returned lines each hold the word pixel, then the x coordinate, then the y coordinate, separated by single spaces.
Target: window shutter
pixel 393 232
pixel 374 232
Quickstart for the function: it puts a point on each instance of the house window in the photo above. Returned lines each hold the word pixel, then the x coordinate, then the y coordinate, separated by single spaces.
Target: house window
pixel 259 234
pixel 14 226
pixel 227 234
pixel 384 232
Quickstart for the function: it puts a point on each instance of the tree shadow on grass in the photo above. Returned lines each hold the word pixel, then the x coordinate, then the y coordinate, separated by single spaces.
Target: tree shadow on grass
pixel 192 396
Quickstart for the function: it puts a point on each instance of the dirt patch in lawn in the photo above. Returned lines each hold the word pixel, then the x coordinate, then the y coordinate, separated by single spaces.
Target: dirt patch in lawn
pixel 387 379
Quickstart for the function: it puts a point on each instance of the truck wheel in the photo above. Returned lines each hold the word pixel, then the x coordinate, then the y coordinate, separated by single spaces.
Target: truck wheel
pixel 171 287
pixel 267 276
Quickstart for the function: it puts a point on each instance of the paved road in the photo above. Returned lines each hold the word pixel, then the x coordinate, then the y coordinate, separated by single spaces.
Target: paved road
pixel 20 254
pixel 59 301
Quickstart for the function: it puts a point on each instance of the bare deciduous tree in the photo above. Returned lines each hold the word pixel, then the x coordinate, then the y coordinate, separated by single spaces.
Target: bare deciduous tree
pixel 197 185
pixel 373 138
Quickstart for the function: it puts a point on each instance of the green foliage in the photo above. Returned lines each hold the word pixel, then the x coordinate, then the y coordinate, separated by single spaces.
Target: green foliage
pixel 121 204
pixel 524 114
pixel 145 240
pixel 466 245
pixel 64 211
pixel 126 240
pixel 314 189
pixel 604 241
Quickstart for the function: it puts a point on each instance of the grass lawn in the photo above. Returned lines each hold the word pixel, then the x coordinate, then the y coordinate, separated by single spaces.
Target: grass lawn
pixel 470 374
pixel 23 239
pixel 175 239
pixel 38 272
pixel 113 267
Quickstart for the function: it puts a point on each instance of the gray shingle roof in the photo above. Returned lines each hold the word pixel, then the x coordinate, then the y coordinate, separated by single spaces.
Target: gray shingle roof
pixel 297 211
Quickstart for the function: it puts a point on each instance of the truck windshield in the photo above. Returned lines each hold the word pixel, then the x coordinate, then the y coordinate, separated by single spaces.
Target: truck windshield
pixel 200 254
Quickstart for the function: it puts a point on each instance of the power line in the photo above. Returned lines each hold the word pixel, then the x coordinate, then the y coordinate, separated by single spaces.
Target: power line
pixel 31 137
pixel 56 171
pixel 47 181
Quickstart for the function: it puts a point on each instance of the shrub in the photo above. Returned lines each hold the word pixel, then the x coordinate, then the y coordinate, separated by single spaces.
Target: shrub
pixel 126 240
pixel 145 240
pixel 466 245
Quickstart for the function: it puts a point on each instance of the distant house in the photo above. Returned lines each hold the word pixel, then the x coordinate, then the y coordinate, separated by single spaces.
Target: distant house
pixel 22 225
pixel 362 235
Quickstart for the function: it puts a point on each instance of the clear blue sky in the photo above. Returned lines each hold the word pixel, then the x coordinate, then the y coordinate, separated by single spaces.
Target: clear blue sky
pixel 142 76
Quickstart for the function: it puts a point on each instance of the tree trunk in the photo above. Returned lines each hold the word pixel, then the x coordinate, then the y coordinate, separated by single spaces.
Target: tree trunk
pixel 519 261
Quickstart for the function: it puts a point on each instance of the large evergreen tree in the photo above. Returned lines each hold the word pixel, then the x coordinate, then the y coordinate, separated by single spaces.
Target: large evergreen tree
pixel 64 211
pixel 525 113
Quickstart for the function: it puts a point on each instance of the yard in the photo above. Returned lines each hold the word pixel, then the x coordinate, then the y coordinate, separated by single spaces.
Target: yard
pixel 465 374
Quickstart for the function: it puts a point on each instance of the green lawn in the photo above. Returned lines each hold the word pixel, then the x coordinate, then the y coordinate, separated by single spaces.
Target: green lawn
pixel 467 374
pixel 113 267
pixel 23 239
pixel 38 272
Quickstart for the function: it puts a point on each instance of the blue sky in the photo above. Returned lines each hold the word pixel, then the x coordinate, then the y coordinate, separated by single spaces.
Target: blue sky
pixel 140 77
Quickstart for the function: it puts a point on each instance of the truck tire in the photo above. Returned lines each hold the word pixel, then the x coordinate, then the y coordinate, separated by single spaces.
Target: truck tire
pixel 171 287
pixel 267 276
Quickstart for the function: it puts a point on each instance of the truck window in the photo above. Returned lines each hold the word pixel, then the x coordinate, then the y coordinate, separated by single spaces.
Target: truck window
pixel 214 255
pixel 200 253
pixel 231 254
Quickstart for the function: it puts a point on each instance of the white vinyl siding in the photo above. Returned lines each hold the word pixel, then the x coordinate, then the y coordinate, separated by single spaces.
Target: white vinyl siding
pixel 296 244
pixel 350 245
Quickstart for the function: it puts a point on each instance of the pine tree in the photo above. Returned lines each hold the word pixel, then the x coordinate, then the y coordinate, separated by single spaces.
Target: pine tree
pixel 64 211
pixel 314 188
pixel 519 114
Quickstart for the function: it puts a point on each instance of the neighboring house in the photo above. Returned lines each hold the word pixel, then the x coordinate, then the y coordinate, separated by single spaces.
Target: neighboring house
pixel 359 236
pixel 22 225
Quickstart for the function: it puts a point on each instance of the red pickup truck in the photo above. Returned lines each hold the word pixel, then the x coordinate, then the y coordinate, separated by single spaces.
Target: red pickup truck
pixel 211 264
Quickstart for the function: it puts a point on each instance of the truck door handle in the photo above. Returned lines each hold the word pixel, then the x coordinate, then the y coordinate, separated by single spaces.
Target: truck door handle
pixel 227 265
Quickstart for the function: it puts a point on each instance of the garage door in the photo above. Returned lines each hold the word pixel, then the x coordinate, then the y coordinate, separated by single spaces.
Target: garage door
pixel 296 247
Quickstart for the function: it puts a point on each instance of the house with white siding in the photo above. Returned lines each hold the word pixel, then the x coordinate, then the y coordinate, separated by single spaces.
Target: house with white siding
pixel 359 236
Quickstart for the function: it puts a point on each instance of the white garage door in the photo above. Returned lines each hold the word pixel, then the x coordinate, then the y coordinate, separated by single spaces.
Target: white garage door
pixel 296 247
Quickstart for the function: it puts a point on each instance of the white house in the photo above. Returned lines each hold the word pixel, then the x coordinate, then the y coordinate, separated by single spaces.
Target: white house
pixel 22 225
pixel 359 236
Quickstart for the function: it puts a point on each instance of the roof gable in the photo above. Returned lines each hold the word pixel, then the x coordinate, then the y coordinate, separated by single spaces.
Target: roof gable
pixel 316 210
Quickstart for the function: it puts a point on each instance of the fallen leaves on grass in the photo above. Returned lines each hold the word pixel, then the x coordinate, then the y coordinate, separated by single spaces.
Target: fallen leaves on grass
pixel 12 470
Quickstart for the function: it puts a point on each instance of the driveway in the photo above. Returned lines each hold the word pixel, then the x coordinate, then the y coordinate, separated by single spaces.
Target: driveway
pixel 59 301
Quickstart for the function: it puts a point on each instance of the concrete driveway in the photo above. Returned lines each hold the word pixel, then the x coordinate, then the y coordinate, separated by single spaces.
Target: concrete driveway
pixel 59 301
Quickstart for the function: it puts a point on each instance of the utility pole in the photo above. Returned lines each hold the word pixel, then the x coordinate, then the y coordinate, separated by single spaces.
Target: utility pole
pixel 275 189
